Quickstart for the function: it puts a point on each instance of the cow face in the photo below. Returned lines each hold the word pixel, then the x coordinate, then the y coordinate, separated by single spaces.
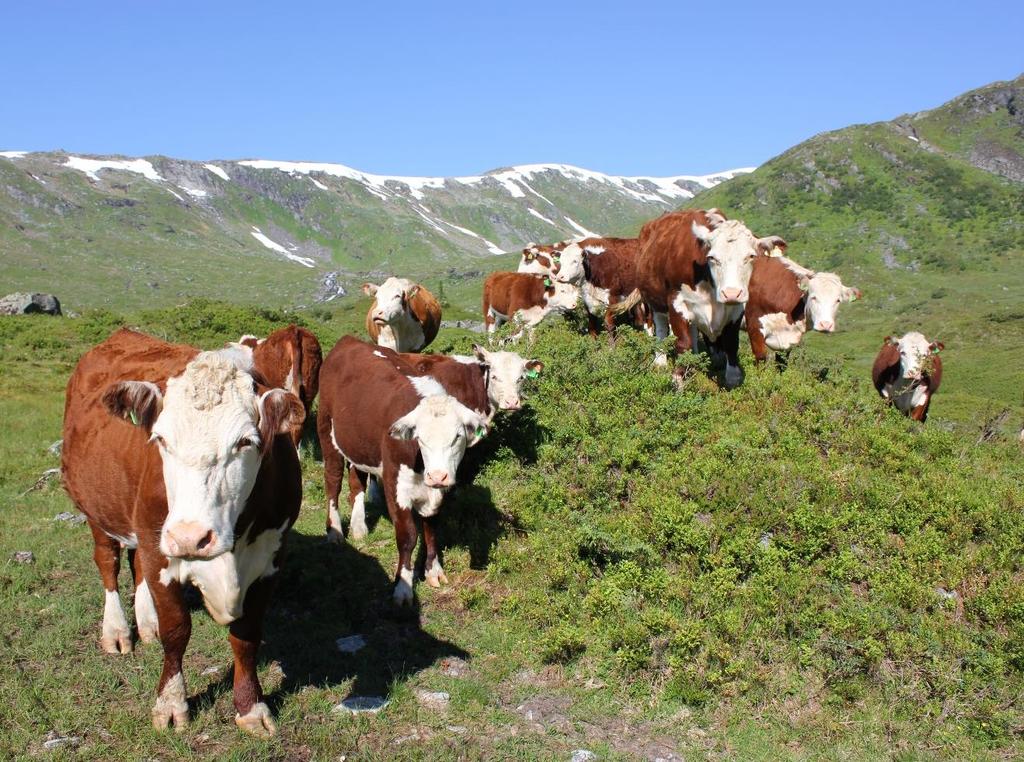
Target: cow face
pixel 561 297
pixel 442 427
pixel 730 251
pixel 212 431
pixel 568 266
pixel 391 299
pixel 505 379
pixel 825 292
pixel 915 350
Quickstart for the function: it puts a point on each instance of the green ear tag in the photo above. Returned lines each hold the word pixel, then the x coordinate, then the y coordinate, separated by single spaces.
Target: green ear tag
pixel 135 418
pixel 547 281
pixel 481 432
pixel 532 373
pixel 935 351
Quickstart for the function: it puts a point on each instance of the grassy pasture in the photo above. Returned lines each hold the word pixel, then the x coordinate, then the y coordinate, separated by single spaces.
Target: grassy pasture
pixel 788 570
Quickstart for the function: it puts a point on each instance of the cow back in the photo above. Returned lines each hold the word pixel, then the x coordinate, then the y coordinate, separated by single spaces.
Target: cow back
pixel 670 255
pixel 509 292
pixel 427 311
pixel 466 382
pixel 774 288
pixel 615 267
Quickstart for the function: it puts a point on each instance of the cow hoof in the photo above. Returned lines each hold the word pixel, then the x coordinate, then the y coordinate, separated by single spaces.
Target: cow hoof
pixel 358 531
pixel 164 717
pixel 148 635
pixel 335 536
pixel 117 642
pixel 403 593
pixel 435 575
pixel 258 721
pixel 660 360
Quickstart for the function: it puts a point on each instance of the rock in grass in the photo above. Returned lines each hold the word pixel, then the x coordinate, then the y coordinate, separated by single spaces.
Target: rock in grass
pixel 436 700
pixel 350 644
pixel 361 705
pixel 582 755
pixel 56 447
pixel 71 518
pixel 27 304
pixel 453 666
pixel 55 740
pixel 24 557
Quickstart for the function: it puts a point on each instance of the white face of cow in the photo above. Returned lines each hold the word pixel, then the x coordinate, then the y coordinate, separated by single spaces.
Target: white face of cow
pixel 825 292
pixel 914 351
pixel 731 251
pixel 392 296
pixel 565 297
pixel 212 430
pixel 442 427
pixel 570 265
pixel 507 373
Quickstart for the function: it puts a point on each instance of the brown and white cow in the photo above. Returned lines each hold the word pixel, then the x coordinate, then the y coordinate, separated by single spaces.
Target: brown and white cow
pixel 608 280
pixel 381 417
pixel 907 372
pixel 290 359
pixel 485 382
pixel 404 316
pixel 694 272
pixel 524 298
pixel 786 300
pixel 541 259
pixel 181 457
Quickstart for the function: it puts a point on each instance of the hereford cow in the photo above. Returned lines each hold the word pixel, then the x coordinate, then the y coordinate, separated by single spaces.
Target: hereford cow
pixel 484 382
pixel 786 300
pixel 290 359
pixel 609 279
pixel 694 271
pixel 404 316
pixel 524 298
pixel 184 459
pixel 907 372
pixel 541 259
pixel 405 429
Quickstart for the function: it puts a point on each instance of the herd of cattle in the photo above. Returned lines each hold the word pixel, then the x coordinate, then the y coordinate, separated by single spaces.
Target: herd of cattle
pixel 188 459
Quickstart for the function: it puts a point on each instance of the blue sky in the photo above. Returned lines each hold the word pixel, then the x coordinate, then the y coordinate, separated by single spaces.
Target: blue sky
pixel 449 88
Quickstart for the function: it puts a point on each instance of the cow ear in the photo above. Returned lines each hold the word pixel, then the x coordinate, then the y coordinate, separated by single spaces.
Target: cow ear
pixel 528 255
pixel 280 412
pixel 702 233
pixel 936 347
pixel 476 424
pixel 370 289
pixel 249 341
pixel 404 428
pixel 890 340
pixel 851 294
pixel 769 243
pixel 413 290
pixel 715 217
pixel 480 353
pixel 138 402
pixel 533 368
pixel 803 283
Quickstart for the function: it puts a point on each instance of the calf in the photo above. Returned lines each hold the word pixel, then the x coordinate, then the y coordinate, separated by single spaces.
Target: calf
pixel 405 429
pixel 609 284
pixel 541 259
pixel 184 459
pixel 290 359
pixel 404 316
pixel 907 372
pixel 786 300
pixel 484 382
pixel 694 270
pixel 525 298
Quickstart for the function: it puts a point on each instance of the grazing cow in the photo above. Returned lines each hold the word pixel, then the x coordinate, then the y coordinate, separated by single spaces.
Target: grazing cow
pixel 175 454
pixel 541 259
pixel 907 372
pixel 404 316
pixel 786 300
pixel 609 279
pixel 290 359
pixel 405 429
pixel 524 298
pixel 484 382
pixel 694 270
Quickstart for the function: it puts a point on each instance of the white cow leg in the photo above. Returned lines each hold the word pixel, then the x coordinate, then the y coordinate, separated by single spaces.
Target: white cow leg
pixel 357 524
pixel 403 587
pixel 435 575
pixel 660 325
pixel 171 705
pixel 258 721
pixel 145 614
pixel 117 637
pixel 335 532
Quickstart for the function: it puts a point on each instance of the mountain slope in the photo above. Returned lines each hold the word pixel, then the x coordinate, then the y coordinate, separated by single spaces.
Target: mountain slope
pixel 925 215
pixel 114 231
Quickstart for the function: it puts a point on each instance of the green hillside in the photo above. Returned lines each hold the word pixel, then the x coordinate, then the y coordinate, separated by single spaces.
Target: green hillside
pixel 909 212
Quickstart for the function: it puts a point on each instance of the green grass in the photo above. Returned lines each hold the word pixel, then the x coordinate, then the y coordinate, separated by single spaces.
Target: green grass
pixel 750 574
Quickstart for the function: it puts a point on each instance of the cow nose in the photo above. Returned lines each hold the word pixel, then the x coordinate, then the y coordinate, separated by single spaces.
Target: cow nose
pixel 732 294
pixel 509 404
pixel 437 479
pixel 190 539
pixel 826 326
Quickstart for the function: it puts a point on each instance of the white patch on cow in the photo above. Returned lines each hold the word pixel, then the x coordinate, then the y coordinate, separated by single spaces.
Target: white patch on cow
pixel 145 614
pixel 357 523
pixel 426 386
pixel 700 308
pixel 403 587
pixel 171 704
pixel 660 360
pixel 398 327
pixel 442 427
pixel 595 250
pixel 906 395
pixel 570 265
pixel 731 251
pixel 380 354
pixel 596 299
pixel 335 533
pixel 535 266
pixel 825 292
pixel 505 380
pixel 117 637
pixel 413 494
pixel 225 580
pixel 127 541
pixel 914 348
pixel 780 333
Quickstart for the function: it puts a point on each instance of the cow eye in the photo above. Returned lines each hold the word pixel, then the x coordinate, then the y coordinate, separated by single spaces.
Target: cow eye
pixel 243 443
pixel 160 441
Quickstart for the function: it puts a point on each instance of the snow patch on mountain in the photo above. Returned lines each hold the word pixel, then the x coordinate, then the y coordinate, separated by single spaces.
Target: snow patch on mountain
pixel 274 246
pixel 540 216
pixel 217 171
pixel 92 166
pixel 14 154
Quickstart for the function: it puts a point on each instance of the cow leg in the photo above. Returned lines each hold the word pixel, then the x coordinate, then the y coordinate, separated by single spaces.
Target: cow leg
pixel 592 326
pixel 432 571
pixel 405 537
pixel 334 468
pixel 919 413
pixel 685 340
pixel 757 343
pixel 729 343
pixel 175 625
pixel 782 360
pixel 116 637
pixel 145 610
pixel 357 502
pixel 251 713
pixel 660 332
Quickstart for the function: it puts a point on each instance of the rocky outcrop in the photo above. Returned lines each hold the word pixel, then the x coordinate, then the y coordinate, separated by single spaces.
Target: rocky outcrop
pixel 27 304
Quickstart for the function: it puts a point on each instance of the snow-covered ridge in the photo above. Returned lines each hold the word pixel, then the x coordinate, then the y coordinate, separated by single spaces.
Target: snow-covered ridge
pixel 92 166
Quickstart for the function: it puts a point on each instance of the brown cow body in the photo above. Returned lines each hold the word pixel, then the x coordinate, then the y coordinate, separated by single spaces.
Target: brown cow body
pixel 404 316
pixel 907 372
pixel 290 359
pixel 610 278
pixel 382 417
pixel 115 474
pixel 525 298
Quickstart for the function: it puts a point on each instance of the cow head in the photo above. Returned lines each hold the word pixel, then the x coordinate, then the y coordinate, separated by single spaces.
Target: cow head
pixel 391 299
pixel 730 249
pixel 212 431
pixel 560 297
pixel 825 292
pixel 507 371
pixel 568 267
pixel 915 352
pixel 442 428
